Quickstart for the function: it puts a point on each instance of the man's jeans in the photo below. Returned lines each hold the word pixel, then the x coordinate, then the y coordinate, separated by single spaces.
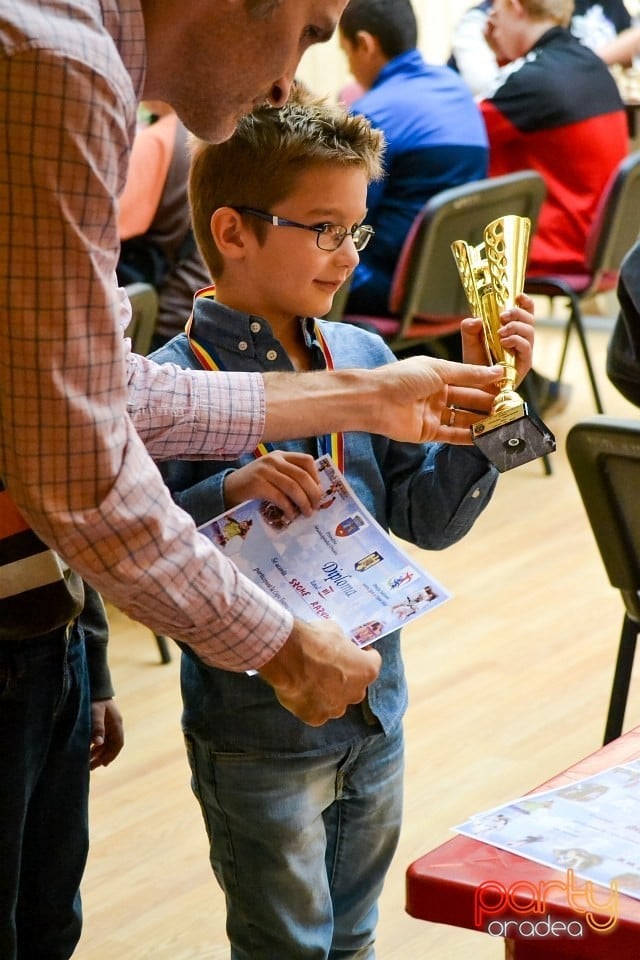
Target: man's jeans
pixel 301 845
pixel 45 726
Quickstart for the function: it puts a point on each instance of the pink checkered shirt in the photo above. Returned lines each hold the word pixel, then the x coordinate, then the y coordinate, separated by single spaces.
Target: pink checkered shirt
pixel 77 409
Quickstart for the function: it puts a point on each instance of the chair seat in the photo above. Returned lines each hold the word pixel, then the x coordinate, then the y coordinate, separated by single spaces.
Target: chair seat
pixel 578 283
pixel 421 328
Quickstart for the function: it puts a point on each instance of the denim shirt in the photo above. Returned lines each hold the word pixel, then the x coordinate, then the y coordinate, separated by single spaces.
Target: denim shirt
pixel 428 494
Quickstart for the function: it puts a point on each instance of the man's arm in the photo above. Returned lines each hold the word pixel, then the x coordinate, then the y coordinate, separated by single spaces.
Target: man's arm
pixel 404 401
pixel 69 453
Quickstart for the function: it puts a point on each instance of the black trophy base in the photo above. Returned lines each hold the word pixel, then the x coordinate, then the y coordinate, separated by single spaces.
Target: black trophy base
pixel 511 439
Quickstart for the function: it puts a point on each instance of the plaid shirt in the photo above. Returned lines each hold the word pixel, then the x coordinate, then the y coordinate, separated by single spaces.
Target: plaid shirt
pixel 77 409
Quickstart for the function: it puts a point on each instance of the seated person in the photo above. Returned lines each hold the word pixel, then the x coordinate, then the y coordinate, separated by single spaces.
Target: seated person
pixel 154 221
pixel 279 797
pixel 604 27
pixel 559 113
pixel 434 134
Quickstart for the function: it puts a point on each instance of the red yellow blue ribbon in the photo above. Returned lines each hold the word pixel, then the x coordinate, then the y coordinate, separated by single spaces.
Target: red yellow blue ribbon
pixel 331 444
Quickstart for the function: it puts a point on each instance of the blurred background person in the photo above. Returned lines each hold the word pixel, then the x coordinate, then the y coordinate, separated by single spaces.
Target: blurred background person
pixel 435 138
pixel 605 27
pixel 154 220
pixel 558 112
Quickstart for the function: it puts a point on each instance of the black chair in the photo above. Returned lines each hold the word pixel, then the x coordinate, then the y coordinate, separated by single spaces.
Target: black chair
pixel 613 232
pixel 427 300
pixel 604 453
pixel 144 311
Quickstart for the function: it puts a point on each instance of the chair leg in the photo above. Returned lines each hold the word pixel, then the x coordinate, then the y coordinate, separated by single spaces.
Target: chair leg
pixel 163 647
pixel 575 320
pixel 567 336
pixel 621 680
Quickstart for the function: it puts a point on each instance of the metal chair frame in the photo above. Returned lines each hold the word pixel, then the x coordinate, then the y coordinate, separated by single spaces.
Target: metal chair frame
pixel 604 454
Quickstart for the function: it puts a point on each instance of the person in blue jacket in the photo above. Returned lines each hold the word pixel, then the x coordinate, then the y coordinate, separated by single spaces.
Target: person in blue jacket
pixel 303 821
pixel 435 137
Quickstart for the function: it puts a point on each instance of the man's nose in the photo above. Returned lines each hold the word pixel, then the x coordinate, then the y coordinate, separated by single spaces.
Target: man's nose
pixel 279 92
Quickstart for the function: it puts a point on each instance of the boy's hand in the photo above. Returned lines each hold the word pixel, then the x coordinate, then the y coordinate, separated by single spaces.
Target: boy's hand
pixel 107 733
pixel 289 480
pixel 319 672
pixel 516 336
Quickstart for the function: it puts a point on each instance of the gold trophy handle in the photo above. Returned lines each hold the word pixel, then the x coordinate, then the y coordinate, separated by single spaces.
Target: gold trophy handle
pixel 506 243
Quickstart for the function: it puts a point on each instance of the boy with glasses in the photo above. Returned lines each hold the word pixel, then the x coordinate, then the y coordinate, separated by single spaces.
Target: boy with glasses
pixel 303 821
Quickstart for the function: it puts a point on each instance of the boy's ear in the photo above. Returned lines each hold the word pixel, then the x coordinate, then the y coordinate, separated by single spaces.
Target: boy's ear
pixel 228 232
pixel 366 42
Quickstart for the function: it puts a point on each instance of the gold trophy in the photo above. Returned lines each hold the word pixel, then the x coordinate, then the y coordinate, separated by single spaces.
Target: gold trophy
pixel 493 275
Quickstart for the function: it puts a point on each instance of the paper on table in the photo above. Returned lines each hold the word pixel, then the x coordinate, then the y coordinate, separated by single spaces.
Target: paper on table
pixel 591 826
pixel 337 564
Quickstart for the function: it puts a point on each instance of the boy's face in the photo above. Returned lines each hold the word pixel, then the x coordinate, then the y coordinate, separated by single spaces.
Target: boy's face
pixel 288 275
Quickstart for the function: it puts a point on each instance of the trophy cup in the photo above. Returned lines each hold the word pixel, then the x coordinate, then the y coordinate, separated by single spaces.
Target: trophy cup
pixel 492 275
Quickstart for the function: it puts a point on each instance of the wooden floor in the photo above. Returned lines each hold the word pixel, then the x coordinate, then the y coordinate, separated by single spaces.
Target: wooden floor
pixel 509 684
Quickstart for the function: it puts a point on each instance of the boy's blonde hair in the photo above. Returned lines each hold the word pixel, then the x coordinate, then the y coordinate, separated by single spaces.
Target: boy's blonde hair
pixel 560 11
pixel 258 166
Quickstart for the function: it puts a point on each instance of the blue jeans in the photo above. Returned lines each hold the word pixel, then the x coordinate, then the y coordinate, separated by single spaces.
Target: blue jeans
pixel 45 728
pixel 301 845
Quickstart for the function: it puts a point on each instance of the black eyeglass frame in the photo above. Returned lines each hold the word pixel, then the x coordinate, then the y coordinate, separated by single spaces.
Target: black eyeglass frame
pixel 360 235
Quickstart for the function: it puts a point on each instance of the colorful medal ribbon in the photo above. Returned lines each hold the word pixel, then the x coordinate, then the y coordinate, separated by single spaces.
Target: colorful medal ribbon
pixel 331 444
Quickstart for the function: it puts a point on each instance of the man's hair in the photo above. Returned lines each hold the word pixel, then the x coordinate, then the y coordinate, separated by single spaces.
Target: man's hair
pixel 259 165
pixel 392 22
pixel 560 11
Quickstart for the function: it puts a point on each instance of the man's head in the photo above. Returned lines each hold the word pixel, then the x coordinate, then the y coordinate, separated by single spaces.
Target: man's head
pixel 215 60
pixel 372 32
pixel 514 26
pixel 309 162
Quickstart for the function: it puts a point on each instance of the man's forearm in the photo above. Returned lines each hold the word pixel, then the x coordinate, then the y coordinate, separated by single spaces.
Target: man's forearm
pixel 308 404
pixel 406 401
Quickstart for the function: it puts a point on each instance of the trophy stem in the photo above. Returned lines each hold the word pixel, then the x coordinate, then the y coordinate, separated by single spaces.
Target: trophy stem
pixel 492 274
pixel 507 398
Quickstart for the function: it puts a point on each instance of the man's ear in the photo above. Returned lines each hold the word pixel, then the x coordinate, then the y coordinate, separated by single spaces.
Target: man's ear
pixel 228 232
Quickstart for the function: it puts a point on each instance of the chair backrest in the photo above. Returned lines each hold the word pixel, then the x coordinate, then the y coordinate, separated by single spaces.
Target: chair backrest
pixel 144 312
pixel 426 282
pixel 616 225
pixel 604 453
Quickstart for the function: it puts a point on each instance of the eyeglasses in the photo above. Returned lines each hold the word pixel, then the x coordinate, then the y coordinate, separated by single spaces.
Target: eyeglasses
pixel 329 236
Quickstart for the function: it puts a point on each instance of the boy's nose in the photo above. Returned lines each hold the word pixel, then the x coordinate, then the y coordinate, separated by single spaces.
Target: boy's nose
pixel 347 253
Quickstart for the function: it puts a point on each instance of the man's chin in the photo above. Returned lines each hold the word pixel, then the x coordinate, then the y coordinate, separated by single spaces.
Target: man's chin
pixel 211 129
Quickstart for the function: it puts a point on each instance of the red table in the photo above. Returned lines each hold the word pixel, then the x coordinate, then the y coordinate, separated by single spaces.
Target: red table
pixel 442 886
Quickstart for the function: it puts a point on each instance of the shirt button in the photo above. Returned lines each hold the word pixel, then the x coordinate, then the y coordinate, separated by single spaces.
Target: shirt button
pixel 475 494
pixel 243 345
pixel 255 327
pixel 272 354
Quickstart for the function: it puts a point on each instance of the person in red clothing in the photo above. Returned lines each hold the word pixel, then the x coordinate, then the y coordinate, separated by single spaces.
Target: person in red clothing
pixel 559 113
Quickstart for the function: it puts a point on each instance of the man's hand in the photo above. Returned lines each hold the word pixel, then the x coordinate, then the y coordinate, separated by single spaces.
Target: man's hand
pixel 417 396
pixel 319 672
pixel 107 733
pixel 409 400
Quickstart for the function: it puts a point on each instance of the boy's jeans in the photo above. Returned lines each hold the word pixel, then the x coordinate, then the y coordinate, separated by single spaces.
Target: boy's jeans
pixel 45 723
pixel 301 845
